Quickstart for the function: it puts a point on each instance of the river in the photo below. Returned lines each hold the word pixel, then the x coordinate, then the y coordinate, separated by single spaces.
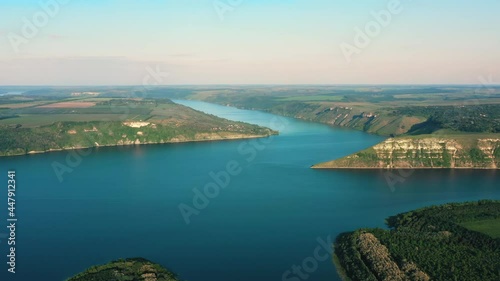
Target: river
pixel 230 210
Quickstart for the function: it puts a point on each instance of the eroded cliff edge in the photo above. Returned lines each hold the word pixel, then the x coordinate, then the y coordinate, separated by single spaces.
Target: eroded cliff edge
pixel 460 151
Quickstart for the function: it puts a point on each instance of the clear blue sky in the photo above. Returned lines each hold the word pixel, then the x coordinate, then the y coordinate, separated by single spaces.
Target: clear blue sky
pixel 257 42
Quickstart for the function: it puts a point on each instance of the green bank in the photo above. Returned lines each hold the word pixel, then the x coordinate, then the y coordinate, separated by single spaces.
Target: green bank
pixel 62 124
pixel 447 242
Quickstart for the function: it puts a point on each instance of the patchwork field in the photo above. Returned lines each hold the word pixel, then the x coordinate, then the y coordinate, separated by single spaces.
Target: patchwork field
pixel 69 104
pixel 37 120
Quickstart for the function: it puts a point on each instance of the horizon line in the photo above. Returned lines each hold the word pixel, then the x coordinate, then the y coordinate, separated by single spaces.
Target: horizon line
pixel 268 84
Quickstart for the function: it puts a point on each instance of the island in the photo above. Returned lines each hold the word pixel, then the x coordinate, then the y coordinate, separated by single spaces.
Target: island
pixel 131 269
pixel 456 241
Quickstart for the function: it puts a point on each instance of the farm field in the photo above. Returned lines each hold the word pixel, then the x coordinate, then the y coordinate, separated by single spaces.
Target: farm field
pixel 489 227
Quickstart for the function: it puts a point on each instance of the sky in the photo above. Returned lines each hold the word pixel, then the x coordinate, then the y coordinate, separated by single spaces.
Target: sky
pixel 122 42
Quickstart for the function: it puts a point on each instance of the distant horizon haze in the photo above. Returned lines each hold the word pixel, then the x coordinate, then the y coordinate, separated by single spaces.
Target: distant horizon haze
pixel 214 42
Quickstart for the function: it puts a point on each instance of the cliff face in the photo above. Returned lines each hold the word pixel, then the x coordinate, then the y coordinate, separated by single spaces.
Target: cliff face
pixel 425 152
pixel 424 245
pixel 350 117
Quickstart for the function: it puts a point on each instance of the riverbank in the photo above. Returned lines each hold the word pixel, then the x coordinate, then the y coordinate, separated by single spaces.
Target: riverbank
pixel 63 124
pixel 460 151
pixel 175 140
pixel 107 192
pixel 444 149
pixel 439 243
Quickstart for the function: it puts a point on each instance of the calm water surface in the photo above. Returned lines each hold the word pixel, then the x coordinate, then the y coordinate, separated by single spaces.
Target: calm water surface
pixel 124 202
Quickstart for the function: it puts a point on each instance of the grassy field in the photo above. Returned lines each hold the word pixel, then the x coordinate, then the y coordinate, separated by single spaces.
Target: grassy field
pixel 41 111
pixel 37 120
pixel 22 104
pixel 396 109
pixel 314 98
pixel 489 227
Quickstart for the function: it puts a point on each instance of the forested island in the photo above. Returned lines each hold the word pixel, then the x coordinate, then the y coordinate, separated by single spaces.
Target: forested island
pixel 459 241
pixel 134 269
pixel 456 241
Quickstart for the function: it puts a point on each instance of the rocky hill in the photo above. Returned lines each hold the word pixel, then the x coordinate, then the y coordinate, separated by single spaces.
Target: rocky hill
pixel 446 242
pixel 426 151
pixel 136 269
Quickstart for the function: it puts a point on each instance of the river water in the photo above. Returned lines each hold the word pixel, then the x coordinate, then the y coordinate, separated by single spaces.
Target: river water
pixel 230 210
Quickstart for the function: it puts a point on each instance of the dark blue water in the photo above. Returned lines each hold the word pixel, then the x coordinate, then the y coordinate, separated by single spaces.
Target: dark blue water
pixel 272 215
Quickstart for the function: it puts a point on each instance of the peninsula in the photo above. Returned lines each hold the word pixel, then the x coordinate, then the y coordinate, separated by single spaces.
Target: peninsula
pixel 459 151
pixel 458 241
pixel 35 124
pixel 427 126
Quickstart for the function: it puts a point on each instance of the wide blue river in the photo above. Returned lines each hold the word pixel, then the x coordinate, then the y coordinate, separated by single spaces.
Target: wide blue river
pixel 233 210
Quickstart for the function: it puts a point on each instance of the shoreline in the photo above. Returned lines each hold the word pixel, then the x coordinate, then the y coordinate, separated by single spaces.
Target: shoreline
pixel 311 120
pixel 402 168
pixel 229 138
pixel 386 136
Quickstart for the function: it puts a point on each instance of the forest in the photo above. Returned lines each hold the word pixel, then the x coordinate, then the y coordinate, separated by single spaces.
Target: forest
pixel 439 243
pixel 483 118
pixel 133 269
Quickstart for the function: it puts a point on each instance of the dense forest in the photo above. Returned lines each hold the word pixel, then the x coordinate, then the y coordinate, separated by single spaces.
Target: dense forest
pixel 483 118
pixel 447 242
pixel 136 269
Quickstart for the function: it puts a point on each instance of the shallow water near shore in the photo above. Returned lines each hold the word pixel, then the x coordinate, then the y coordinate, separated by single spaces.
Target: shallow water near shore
pixel 270 217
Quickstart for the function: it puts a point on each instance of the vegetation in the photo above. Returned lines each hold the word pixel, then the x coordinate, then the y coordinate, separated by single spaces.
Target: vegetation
pixel 136 269
pixel 418 112
pixel 464 118
pixel 383 110
pixel 447 242
pixel 69 123
pixel 489 227
pixel 426 151
pixel 388 111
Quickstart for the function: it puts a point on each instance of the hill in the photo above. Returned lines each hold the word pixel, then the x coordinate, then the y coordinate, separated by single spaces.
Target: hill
pixel 479 151
pixel 60 124
pixel 434 243
pixel 136 269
